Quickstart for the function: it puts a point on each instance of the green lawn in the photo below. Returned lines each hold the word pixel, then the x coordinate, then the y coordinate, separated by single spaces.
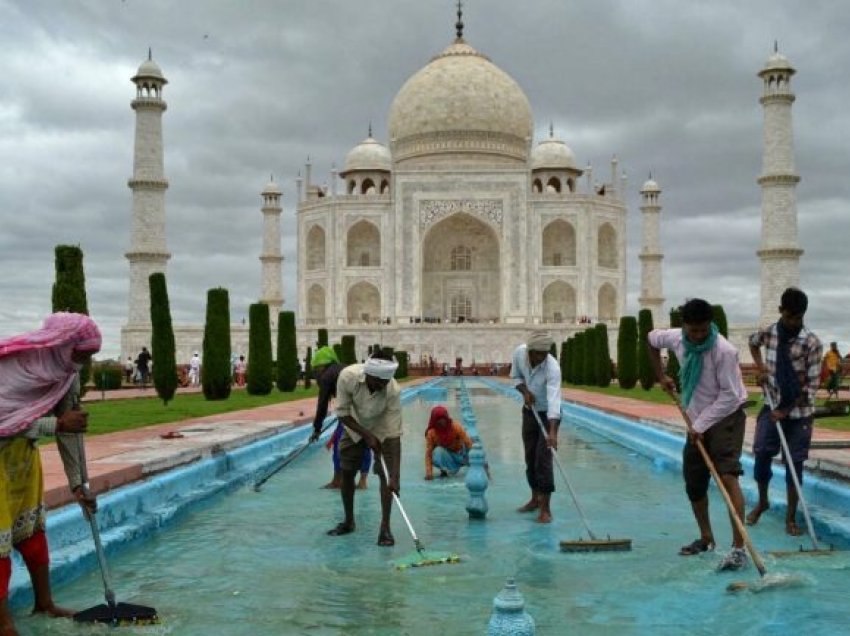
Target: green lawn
pixel 840 423
pixel 108 416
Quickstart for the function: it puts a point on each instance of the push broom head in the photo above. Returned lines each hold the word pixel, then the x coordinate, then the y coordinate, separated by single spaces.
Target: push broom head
pixel 596 545
pixel 118 615
pixel 421 559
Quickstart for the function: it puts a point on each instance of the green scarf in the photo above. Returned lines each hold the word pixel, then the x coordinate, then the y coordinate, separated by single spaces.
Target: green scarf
pixel 691 369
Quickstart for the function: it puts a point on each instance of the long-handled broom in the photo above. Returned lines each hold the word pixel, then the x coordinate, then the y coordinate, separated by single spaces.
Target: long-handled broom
pixel 594 544
pixel 286 461
pixel 111 613
pixel 421 557
pixel 789 466
pixel 767 581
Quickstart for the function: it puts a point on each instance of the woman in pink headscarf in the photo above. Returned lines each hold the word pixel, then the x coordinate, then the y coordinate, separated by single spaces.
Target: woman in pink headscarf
pixel 39 395
pixel 446 444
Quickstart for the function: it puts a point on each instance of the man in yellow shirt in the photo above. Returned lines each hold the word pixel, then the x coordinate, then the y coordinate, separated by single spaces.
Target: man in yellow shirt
pixel 832 366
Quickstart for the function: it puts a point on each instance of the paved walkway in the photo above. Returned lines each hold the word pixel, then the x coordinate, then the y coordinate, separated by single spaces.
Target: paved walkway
pixel 120 458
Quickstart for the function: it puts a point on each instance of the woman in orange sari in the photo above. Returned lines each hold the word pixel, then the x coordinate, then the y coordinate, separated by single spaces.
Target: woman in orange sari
pixel 446 444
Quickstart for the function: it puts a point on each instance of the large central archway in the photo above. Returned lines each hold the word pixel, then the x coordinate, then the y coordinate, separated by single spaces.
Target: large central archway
pixel 460 271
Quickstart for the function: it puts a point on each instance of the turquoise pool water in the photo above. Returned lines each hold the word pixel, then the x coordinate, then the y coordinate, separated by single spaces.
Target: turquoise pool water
pixel 260 563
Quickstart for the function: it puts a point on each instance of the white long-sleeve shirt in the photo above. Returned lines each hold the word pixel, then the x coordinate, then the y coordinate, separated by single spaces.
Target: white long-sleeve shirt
pixel 543 381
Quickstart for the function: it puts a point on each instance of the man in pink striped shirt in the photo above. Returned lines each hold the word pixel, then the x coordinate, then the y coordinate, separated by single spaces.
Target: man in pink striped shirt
pixel 713 393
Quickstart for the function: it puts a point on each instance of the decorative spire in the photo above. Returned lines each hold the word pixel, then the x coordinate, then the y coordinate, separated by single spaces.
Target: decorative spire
pixel 150 55
pixel 459 23
pixel 551 130
pixel 370 128
pixel 776 46
pixel 650 175
pixel 271 177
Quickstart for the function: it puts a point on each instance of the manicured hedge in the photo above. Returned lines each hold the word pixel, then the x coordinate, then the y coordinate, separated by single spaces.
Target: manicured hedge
pixel 719 317
pixel 401 357
pixel 602 364
pixel 216 377
pixel 107 377
pixel 162 339
pixel 259 350
pixel 308 368
pixel 349 351
pixel 627 349
pixel 288 368
pixel 323 338
pixel 69 290
pixel 645 372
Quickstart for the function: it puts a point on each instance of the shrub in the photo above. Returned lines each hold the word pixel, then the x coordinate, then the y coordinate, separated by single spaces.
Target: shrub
pixel 401 357
pixel 288 368
pixel 69 291
pixel 603 356
pixel 349 352
pixel 162 339
pixel 645 372
pixel 107 377
pixel 627 344
pixel 719 317
pixel 217 377
pixel 259 350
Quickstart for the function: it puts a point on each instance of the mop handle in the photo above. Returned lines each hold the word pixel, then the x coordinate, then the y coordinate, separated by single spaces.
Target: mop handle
pixel 564 475
pixel 789 465
pixel 416 541
pixel 95 532
pixel 287 460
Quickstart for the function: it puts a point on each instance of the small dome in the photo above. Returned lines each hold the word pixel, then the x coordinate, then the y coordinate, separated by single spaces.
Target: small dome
pixel 777 61
pixel 150 70
pixel 553 154
pixel 271 188
pixel 650 186
pixel 369 154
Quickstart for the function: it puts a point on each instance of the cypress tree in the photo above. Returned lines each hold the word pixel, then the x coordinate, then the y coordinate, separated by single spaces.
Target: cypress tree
pixel 288 368
pixel 565 349
pixel 349 352
pixel 162 339
pixel 217 375
pixel 588 371
pixel 323 338
pixel 553 350
pixel 627 344
pixel 401 358
pixel 337 347
pixel 719 317
pixel 645 373
pixel 578 358
pixel 673 365
pixel 603 359
pixel 308 368
pixel 259 350
pixel 69 291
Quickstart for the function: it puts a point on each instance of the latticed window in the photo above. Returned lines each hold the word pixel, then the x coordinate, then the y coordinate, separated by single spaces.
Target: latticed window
pixel 461 307
pixel 461 258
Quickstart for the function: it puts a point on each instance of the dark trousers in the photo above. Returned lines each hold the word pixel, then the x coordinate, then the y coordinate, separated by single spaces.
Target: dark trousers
pixel 538 456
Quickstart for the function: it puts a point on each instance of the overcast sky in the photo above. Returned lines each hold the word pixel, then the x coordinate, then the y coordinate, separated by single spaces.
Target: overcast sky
pixel 255 86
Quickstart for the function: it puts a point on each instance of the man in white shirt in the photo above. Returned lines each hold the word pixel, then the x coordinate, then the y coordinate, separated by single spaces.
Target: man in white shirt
pixel 713 393
pixel 538 377
pixel 368 404
pixel 195 370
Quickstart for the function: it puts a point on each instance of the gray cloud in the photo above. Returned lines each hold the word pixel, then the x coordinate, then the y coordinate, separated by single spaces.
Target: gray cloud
pixel 255 87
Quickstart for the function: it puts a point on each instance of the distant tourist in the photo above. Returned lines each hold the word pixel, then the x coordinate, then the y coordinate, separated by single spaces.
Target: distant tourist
pixel 789 371
pixel 831 371
pixel 326 368
pixel 713 394
pixel 240 370
pixel 447 444
pixel 143 362
pixel 129 368
pixel 369 406
pixel 39 375
pixel 539 381
pixel 195 370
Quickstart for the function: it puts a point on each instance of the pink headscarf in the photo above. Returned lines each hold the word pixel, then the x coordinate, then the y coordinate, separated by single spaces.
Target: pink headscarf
pixel 36 368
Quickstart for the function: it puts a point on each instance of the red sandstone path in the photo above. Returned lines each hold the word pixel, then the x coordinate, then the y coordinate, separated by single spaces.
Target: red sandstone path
pixel 120 458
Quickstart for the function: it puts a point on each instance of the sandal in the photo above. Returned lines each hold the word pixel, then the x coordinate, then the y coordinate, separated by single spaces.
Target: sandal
pixel 696 547
pixel 386 538
pixel 341 529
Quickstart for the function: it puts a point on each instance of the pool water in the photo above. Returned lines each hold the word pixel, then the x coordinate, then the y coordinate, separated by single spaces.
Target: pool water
pixel 261 563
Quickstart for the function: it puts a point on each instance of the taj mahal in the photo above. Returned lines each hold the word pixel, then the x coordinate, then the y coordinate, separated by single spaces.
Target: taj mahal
pixel 461 233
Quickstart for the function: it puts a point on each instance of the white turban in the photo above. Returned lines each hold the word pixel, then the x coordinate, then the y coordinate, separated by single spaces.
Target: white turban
pixel 539 341
pixel 381 369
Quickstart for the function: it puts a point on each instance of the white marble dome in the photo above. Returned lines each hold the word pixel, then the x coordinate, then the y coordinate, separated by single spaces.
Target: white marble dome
pixel 777 62
pixel 553 154
pixel 149 70
pixel 369 154
pixel 460 102
pixel 650 186
pixel 271 188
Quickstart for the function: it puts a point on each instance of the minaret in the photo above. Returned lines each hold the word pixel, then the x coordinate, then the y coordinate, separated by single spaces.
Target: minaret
pixel 148 253
pixel 271 258
pixel 651 255
pixel 779 251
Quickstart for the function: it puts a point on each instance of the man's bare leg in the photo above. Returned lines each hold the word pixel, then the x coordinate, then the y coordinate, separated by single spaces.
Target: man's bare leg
pixel 734 489
pixel 7 625
pixel 762 506
pixel 700 509
pixel 385 535
pixel 544 514
pixel 362 485
pixel 532 504
pixel 334 483
pixel 791 526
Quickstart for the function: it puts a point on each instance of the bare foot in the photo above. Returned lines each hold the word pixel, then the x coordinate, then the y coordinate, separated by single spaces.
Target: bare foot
pixel 792 529
pixel 54 611
pixel 544 516
pixel 530 506
pixel 755 513
pixel 362 485
pixel 333 484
